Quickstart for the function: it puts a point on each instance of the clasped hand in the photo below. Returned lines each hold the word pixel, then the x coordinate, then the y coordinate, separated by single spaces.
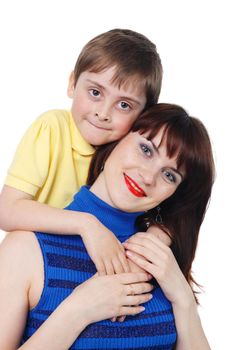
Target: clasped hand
pixel 108 253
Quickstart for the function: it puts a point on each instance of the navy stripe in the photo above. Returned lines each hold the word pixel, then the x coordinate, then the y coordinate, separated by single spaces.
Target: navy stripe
pixel 97 331
pixel 150 315
pixel 64 245
pixel 157 347
pixel 57 283
pixel 44 312
pixel 66 262
pixel 34 323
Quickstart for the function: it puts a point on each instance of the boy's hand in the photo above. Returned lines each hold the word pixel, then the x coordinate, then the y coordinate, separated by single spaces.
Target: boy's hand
pixel 105 250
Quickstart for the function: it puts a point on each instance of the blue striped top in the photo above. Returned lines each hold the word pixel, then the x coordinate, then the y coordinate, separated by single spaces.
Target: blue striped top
pixel 67 264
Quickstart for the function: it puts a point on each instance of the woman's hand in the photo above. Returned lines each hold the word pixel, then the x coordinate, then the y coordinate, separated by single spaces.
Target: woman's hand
pixel 102 297
pixel 151 254
pixel 105 250
pixel 156 232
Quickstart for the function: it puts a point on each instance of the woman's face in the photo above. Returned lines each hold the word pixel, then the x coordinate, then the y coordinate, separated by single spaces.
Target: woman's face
pixel 138 175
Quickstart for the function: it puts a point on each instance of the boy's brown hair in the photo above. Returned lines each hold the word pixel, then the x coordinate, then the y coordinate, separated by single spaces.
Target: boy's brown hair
pixel 133 55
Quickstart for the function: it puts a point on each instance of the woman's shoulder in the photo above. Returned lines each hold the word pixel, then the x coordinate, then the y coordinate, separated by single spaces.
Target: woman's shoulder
pixel 17 252
pixel 18 239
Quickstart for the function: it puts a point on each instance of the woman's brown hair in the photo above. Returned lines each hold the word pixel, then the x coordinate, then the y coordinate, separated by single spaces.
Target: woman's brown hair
pixel 187 139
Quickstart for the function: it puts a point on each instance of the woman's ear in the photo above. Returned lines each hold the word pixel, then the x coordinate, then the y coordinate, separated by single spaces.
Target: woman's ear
pixel 71 85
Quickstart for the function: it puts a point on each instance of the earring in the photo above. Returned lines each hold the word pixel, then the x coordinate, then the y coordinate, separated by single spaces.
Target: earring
pixel 158 217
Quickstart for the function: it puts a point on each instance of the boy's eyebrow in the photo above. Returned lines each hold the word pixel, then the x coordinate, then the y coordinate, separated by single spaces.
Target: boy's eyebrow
pixel 156 149
pixel 122 97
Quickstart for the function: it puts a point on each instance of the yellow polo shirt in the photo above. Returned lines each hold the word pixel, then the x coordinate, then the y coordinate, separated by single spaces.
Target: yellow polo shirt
pixel 52 160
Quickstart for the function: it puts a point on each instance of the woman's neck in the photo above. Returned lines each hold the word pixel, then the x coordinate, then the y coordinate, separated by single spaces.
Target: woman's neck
pixel 99 188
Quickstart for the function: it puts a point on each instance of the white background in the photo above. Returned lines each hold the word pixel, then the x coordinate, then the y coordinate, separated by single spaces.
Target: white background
pixel 40 41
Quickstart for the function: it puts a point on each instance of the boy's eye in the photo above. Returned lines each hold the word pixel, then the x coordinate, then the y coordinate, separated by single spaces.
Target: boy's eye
pixel 146 149
pixel 94 92
pixel 170 176
pixel 124 105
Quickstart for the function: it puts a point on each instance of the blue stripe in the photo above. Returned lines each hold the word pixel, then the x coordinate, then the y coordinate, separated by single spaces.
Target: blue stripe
pixel 151 315
pixel 65 252
pixel 57 283
pixel 126 343
pixel 65 245
pixel 65 262
pixel 99 331
pixel 157 347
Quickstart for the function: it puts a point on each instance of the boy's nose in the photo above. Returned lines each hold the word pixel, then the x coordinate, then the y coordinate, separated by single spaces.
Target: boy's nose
pixel 102 117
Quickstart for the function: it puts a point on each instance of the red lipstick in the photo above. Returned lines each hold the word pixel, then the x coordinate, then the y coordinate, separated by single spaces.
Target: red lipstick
pixel 133 187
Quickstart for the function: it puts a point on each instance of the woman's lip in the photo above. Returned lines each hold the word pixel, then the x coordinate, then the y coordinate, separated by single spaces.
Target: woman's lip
pixel 133 187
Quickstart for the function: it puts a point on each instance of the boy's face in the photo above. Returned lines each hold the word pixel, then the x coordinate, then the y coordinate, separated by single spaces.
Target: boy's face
pixel 102 111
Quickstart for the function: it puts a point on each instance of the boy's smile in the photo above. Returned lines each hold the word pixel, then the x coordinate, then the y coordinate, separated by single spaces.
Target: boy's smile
pixel 103 111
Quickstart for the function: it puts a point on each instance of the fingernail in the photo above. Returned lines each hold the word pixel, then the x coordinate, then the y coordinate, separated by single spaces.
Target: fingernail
pixel 129 253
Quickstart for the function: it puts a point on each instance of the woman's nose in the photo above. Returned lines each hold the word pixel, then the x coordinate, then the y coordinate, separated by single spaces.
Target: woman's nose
pixel 147 176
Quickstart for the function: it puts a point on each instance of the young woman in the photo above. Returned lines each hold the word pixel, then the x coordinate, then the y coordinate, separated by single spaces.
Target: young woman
pixel 51 297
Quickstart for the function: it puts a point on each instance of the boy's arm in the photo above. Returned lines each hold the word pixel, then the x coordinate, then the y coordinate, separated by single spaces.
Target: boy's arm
pixel 18 211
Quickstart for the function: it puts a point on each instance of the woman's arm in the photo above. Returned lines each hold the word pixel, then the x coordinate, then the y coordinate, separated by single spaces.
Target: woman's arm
pixel 98 298
pixel 101 297
pixel 190 332
pixel 152 255
pixel 18 211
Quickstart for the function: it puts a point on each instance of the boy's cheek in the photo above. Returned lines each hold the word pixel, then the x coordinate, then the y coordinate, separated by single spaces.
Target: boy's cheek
pixel 157 232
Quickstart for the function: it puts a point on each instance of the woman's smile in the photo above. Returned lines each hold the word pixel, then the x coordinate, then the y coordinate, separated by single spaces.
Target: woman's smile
pixel 133 187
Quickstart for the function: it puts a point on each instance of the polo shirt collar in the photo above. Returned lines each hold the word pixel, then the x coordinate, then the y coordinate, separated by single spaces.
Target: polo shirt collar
pixel 79 144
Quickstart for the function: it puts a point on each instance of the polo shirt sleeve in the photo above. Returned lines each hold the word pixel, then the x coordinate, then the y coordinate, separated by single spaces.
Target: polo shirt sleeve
pixel 30 165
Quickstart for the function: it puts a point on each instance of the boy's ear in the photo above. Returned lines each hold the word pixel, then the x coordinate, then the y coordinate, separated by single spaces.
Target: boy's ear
pixel 70 89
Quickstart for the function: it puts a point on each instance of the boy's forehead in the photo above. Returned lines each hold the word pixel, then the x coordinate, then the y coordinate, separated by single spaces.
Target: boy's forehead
pixel 113 76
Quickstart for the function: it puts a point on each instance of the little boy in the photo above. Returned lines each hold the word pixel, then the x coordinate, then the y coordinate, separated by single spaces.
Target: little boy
pixel 117 75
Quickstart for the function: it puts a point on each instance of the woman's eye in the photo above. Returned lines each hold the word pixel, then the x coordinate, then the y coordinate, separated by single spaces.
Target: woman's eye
pixel 94 92
pixel 146 150
pixel 170 176
pixel 124 105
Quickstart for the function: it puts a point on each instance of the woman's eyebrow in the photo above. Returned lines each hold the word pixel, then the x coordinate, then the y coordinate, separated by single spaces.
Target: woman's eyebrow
pixel 177 172
pixel 156 149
